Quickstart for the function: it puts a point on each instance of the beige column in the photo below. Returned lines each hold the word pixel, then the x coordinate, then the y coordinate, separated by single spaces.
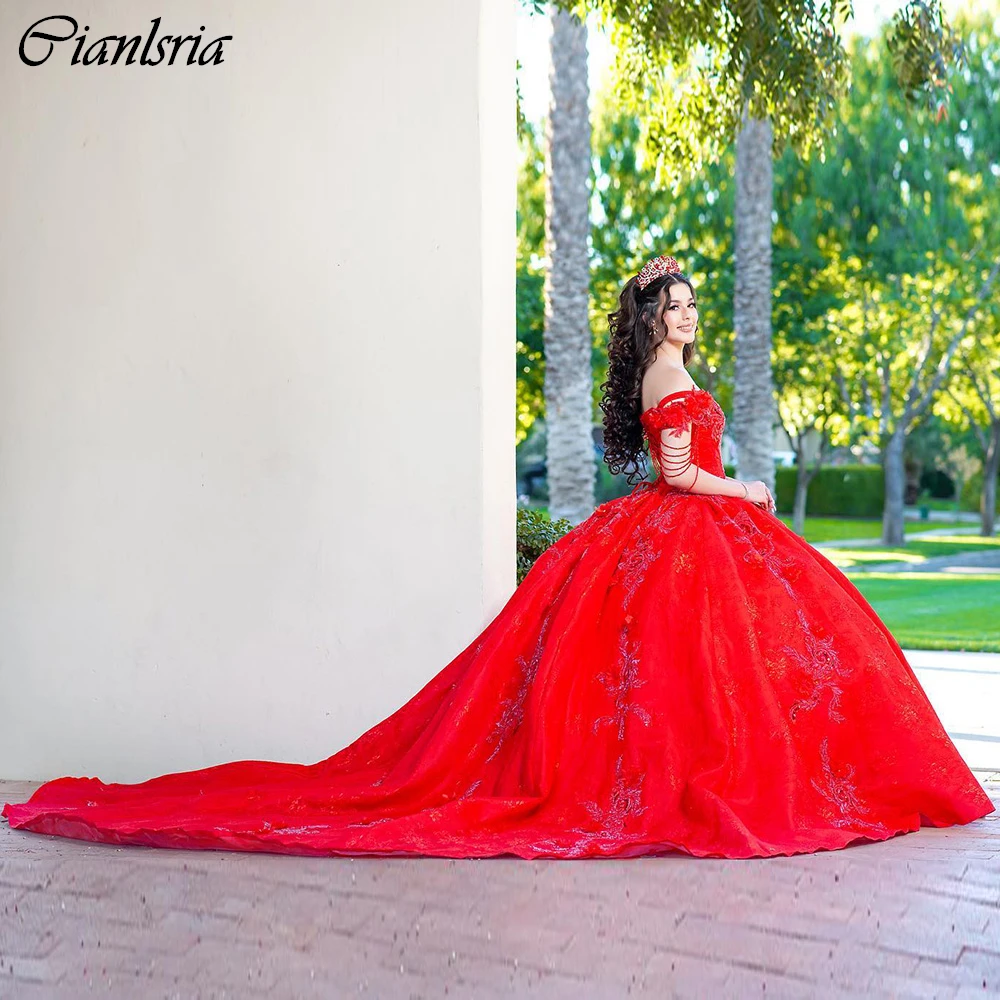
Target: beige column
pixel 256 377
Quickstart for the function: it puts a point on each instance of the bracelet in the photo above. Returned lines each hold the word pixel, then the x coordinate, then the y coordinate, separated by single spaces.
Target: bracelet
pixel 746 490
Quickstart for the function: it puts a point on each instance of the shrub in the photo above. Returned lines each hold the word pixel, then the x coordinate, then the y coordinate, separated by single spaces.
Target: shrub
pixel 535 533
pixel 972 492
pixel 938 484
pixel 836 490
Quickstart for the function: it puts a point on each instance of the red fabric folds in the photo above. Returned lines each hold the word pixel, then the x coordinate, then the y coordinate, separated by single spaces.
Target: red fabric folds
pixel 678 672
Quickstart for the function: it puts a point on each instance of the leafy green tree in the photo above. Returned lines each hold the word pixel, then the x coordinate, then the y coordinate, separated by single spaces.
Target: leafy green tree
pixel 973 402
pixel 912 192
pixel 635 216
pixel 530 355
pixel 767 73
pixel 941 445
pixel 974 397
pixel 807 360
pixel 904 334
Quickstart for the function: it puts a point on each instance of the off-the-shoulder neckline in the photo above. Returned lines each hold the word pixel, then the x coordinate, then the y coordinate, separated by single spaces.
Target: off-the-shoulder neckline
pixel 678 392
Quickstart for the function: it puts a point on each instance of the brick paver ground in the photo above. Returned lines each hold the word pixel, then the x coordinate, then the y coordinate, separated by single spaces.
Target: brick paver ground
pixel 915 916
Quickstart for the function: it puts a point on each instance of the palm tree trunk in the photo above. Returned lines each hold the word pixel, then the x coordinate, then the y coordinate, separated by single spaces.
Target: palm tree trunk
pixel 568 385
pixel 754 409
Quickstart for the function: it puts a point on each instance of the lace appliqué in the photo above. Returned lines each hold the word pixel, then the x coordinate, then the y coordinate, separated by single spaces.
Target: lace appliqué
pixel 622 686
pixel 841 791
pixel 608 531
pixel 631 570
pixel 625 799
pixel 665 513
pixel 512 712
pixel 471 788
pixel 819 659
pixel 761 550
pixel 822 664
pixel 512 708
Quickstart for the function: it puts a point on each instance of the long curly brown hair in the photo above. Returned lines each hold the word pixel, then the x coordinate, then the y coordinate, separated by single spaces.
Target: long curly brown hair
pixel 631 350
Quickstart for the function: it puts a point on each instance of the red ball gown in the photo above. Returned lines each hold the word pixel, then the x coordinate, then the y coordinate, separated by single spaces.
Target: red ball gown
pixel 678 672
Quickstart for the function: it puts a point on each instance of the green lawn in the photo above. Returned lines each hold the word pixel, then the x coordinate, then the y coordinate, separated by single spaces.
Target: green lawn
pixel 834 529
pixel 937 610
pixel 915 551
pixel 935 503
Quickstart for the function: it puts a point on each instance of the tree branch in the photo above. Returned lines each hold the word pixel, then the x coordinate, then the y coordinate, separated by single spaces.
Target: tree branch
pixel 945 362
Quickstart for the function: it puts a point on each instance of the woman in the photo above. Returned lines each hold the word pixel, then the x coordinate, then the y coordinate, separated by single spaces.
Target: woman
pixel 678 672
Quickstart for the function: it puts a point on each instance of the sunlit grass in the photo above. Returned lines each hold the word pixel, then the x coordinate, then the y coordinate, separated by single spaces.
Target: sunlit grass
pixel 835 529
pixel 914 552
pixel 937 610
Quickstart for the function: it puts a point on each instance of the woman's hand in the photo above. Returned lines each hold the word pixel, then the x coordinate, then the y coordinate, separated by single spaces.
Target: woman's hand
pixel 758 493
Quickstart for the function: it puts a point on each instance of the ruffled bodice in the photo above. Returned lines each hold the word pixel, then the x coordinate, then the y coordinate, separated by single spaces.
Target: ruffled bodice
pixel 694 408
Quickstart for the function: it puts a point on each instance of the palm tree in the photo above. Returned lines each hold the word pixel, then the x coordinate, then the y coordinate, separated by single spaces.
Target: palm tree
pixel 754 411
pixel 567 337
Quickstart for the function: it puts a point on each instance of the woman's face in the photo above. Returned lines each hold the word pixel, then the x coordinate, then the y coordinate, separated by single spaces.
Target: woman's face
pixel 680 314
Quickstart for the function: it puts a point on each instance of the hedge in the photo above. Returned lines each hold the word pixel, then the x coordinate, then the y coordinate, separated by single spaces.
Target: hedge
pixel 845 490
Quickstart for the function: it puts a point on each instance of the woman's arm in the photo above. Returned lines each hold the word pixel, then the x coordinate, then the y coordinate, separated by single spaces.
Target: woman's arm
pixel 680 472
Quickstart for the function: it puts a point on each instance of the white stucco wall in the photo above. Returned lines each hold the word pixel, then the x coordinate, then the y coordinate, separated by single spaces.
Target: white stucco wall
pixel 256 377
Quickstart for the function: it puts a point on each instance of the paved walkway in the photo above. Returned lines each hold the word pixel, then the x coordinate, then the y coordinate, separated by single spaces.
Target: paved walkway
pixel 960 562
pixel 968 516
pixel 964 689
pixel 915 916
pixel 876 542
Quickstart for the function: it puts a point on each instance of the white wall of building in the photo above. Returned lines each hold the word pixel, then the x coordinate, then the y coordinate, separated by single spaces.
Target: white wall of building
pixel 256 377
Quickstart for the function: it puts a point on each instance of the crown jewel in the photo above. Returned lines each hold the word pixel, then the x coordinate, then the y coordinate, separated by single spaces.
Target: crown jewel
pixel 656 268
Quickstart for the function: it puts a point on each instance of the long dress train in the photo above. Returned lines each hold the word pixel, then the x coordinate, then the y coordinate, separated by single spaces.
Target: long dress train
pixel 678 672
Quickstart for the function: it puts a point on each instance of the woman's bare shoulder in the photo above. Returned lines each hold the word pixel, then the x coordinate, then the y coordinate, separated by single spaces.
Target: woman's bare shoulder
pixel 662 381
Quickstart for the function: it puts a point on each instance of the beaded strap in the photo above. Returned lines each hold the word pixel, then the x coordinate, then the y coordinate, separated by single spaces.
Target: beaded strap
pixel 675 460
